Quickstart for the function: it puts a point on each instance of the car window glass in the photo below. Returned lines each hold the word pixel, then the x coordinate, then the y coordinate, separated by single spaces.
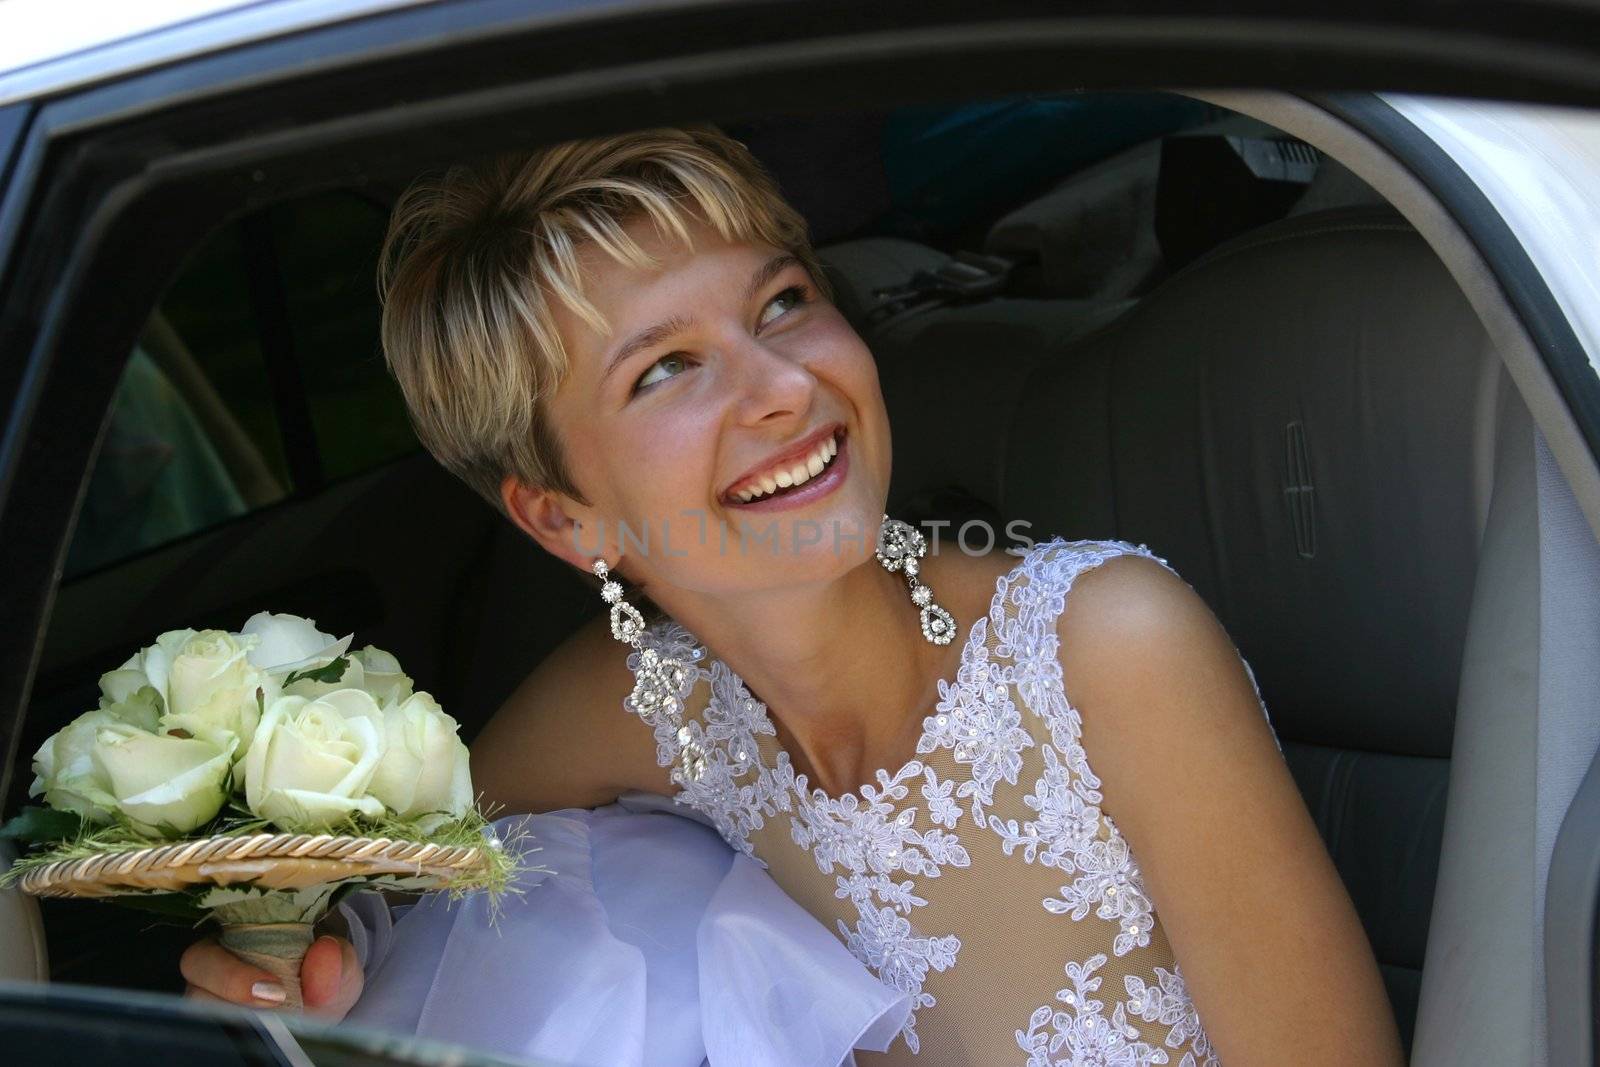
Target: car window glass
pixel 192 437
pixel 259 376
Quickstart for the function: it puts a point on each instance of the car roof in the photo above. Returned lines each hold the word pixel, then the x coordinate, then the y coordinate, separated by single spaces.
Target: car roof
pixel 48 47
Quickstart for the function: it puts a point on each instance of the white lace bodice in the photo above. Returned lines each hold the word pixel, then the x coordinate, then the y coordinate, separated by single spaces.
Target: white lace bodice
pixel 987 855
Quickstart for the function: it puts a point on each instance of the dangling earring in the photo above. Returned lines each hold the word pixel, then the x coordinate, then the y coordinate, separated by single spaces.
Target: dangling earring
pixel 901 547
pixel 657 680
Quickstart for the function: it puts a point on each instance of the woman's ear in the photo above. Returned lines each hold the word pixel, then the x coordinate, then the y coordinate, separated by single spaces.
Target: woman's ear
pixel 549 518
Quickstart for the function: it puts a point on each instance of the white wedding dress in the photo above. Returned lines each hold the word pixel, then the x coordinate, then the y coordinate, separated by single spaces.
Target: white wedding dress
pixel 999 907
pixel 649 943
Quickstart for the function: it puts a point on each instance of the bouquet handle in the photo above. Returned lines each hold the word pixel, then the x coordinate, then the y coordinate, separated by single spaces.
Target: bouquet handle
pixel 277 948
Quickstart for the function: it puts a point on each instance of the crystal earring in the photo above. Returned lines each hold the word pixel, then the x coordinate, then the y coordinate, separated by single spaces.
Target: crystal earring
pixel 658 680
pixel 901 547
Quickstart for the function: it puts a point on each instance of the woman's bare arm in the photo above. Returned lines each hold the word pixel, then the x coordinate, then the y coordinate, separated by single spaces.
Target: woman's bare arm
pixel 563 739
pixel 1271 949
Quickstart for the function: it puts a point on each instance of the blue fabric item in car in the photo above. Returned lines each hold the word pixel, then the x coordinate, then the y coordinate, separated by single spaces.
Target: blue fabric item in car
pixel 948 168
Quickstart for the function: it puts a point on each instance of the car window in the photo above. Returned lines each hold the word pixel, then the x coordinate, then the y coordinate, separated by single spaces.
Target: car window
pixel 259 376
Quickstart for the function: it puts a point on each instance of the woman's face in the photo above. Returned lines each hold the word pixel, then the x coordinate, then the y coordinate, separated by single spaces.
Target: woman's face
pixel 729 434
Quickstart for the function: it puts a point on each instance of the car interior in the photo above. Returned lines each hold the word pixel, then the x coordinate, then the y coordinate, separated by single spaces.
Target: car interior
pixel 1139 316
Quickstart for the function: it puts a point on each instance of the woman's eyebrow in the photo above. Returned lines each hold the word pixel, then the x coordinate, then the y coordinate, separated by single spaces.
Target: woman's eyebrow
pixel 769 270
pixel 647 338
pixel 651 336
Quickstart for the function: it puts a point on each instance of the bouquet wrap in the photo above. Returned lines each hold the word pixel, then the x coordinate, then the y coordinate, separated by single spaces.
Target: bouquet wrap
pixel 277 948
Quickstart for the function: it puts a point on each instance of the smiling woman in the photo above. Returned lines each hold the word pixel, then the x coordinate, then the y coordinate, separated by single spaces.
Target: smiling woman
pixel 616 336
pixel 761 379
pixel 489 257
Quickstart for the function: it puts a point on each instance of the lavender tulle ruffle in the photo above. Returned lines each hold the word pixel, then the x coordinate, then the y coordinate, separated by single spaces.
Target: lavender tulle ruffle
pixel 650 944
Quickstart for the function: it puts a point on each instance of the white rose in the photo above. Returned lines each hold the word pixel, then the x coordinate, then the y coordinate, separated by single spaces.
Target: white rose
pixel 64 770
pixel 202 685
pixel 141 708
pixel 424 767
pixel 381 676
pixel 154 662
pixel 288 643
pixel 145 669
pixel 118 685
pixel 310 761
pixel 213 691
pixel 371 670
pixel 163 785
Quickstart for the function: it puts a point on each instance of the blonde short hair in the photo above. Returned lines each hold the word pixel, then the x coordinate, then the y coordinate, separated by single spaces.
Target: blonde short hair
pixel 475 255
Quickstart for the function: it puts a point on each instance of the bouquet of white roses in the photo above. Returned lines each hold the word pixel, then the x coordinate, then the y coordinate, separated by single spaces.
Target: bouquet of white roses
pixel 206 741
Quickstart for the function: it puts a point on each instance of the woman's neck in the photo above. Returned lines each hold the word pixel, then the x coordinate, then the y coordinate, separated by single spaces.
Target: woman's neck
pixel 842 667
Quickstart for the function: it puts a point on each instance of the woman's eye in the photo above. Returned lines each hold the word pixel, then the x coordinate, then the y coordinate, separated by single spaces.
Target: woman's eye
pixel 669 366
pixel 787 300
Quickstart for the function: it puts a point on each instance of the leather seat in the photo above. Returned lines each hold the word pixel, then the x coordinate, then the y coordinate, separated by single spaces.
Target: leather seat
pixel 1302 422
pixel 22 947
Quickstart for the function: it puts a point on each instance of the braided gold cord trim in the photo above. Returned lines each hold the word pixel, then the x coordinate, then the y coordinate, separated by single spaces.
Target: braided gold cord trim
pixel 274 861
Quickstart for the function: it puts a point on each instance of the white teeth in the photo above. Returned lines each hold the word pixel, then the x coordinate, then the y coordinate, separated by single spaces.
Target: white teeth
pixel 799 474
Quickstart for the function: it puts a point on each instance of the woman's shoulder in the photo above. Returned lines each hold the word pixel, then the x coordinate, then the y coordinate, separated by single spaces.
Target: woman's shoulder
pixel 1032 581
pixel 1057 563
pixel 1038 576
pixel 1141 652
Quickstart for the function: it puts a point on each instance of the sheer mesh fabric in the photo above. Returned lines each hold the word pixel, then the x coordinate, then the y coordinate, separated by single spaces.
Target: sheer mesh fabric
pixel 982 877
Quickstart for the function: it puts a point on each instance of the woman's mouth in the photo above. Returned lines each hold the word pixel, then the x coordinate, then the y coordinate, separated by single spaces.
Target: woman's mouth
pixel 794 482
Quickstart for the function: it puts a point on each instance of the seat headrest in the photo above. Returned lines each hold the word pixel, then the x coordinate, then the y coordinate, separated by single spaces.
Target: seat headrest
pixel 1299 422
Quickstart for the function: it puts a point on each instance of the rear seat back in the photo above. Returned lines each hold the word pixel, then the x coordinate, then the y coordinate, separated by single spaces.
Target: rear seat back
pixel 1301 422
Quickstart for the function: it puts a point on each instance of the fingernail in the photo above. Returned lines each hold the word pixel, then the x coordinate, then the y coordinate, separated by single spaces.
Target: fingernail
pixel 271 992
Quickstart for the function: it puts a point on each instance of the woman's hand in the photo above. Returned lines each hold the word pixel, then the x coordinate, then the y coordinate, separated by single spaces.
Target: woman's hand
pixel 330 978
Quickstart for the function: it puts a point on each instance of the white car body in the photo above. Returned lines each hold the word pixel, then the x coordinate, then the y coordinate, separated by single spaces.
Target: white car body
pixel 1536 166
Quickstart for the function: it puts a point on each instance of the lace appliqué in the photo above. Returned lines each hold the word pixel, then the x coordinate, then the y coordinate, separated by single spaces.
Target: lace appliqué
pixel 979 722
pixel 872 841
pixel 865 836
pixel 1068 836
pixel 868 841
pixel 1072 834
pixel 719 782
pixel 1080 1033
pixel 1167 1003
pixel 884 940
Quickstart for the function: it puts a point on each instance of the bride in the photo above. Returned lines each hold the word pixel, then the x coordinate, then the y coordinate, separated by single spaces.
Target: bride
pixel 1036 797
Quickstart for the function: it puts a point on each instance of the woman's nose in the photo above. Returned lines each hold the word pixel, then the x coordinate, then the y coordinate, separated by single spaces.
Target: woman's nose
pixel 772 384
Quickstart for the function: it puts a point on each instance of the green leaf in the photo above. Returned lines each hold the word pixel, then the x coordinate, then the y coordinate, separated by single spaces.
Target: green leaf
pixel 36 825
pixel 328 675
